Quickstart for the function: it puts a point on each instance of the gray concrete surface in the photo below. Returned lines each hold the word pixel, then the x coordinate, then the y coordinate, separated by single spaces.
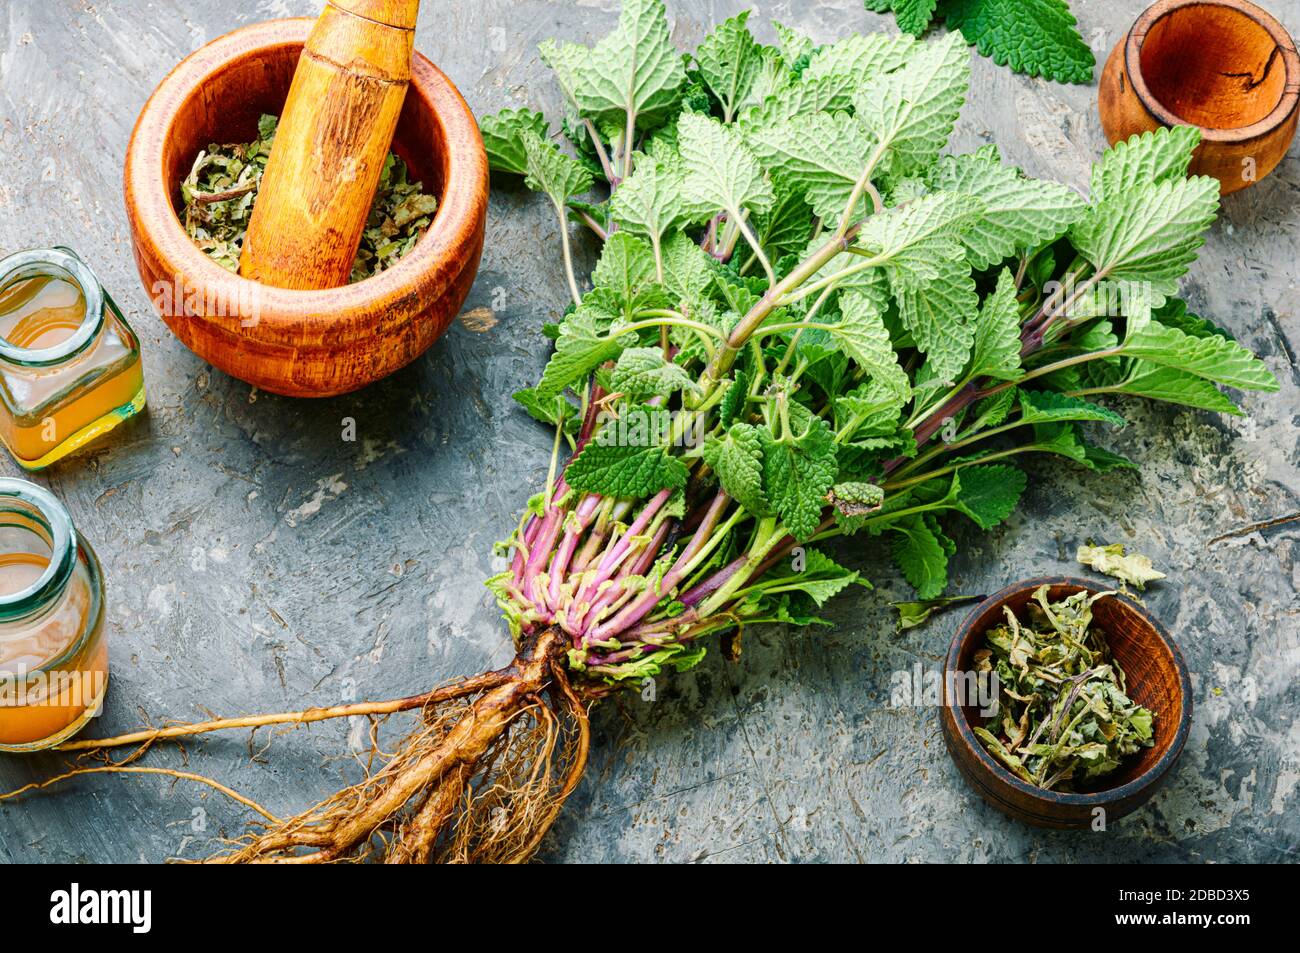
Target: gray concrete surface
pixel 256 561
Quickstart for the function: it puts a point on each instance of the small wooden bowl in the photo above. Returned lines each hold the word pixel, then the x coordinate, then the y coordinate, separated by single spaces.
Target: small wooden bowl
pixel 1157 679
pixel 300 343
pixel 1224 66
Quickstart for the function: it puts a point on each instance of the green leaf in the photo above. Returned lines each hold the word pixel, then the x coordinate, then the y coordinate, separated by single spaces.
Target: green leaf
pixel 737 458
pixel 914 16
pixel 730 62
pixel 644 372
pixel 1144 159
pixel 626 267
pixel 503 141
pixel 909 240
pixel 855 498
pixel 1212 357
pixel 911 111
pixel 996 347
pixel 821 579
pixel 1019 213
pixel 862 335
pixel 1047 406
pixel 549 170
pixel 920 555
pixel 794 45
pixel 634 74
pixel 836 72
pixel 913 614
pixel 785 228
pixel 649 202
pixel 625 470
pixel 798 470
pixel 721 172
pixel 732 407
pixel 1149 234
pixel 550 409
pixel 988 493
pixel 940 314
pixel 1036 37
pixel 688 269
pixel 1169 384
pixel 820 156
pixel 581 347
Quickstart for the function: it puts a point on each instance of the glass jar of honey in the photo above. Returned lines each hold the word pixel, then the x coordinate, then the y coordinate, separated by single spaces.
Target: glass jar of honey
pixel 53 654
pixel 70 366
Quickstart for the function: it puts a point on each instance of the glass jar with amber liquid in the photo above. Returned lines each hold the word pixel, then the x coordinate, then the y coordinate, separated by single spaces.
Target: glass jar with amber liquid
pixel 70 367
pixel 53 653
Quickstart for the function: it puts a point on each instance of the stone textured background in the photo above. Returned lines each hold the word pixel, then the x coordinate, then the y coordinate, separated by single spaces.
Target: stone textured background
pixel 255 561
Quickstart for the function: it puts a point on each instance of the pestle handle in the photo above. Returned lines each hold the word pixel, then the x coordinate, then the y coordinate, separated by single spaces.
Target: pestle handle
pixel 335 132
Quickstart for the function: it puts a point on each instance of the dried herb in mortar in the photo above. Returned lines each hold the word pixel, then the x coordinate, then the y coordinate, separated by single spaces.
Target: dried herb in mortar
pixel 1063 715
pixel 219 193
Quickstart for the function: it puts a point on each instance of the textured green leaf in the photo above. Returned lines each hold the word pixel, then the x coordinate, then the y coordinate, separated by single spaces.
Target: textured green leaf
pixel 737 458
pixel 794 45
pixel 1211 357
pixel 1037 37
pixel 920 242
pixel 503 142
pixel 821 579
pixel 626 267
pixel 581 347
pixel 855 498
pixel 550 171
pixel 730 62
pixel 625 471
pixel 839 70
pixel 941 316
pixel 988 493
pixel 732 407
pixel 862 334
pixel 914 16
pixel 798 470
pixel 1047 406
pixel 1174 386
pixel 1142 160
pixel 634 71
pixel 649 202
pixel 821 155
pixel 644 372
pixel 550 409
pixel 921 557
pixel 912 111
pixel 720 171
pixel 1019 213
pixel 996 347
pixel 785 228
pixel 1149 234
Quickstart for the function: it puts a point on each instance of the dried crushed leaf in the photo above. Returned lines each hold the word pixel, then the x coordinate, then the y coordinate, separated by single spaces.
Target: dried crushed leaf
pixel 1063 716
pixel 1134 568
pixel 218 195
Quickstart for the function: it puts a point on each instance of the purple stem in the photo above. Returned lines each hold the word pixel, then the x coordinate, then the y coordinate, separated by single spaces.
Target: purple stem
pixel 636 610
pixel 585 512
pixel 714 582
pixel 637 567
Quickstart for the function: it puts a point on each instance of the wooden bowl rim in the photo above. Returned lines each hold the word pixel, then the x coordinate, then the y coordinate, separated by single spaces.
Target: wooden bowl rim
pixel 1100 798
pixel 1280 113
pixel 339 310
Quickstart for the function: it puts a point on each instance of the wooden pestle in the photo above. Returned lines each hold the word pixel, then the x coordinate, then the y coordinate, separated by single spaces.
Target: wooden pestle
pixel 335 132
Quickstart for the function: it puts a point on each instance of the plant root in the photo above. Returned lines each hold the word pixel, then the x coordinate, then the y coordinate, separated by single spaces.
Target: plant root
pixel 481 779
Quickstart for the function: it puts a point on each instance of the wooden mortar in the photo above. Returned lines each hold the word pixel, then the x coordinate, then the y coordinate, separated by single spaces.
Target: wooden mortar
pixel 301 343
pixel 1225 66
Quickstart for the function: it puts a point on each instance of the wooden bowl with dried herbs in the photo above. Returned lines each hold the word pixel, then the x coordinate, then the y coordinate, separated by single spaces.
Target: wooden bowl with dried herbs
pixel 192 169
pixel 1065 705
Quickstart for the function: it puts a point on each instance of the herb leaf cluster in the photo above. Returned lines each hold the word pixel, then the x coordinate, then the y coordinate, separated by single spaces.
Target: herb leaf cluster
pixel 807 321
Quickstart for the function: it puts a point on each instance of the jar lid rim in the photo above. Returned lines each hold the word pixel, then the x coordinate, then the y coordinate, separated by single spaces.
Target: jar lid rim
pixel 63 547
pixel 79 273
